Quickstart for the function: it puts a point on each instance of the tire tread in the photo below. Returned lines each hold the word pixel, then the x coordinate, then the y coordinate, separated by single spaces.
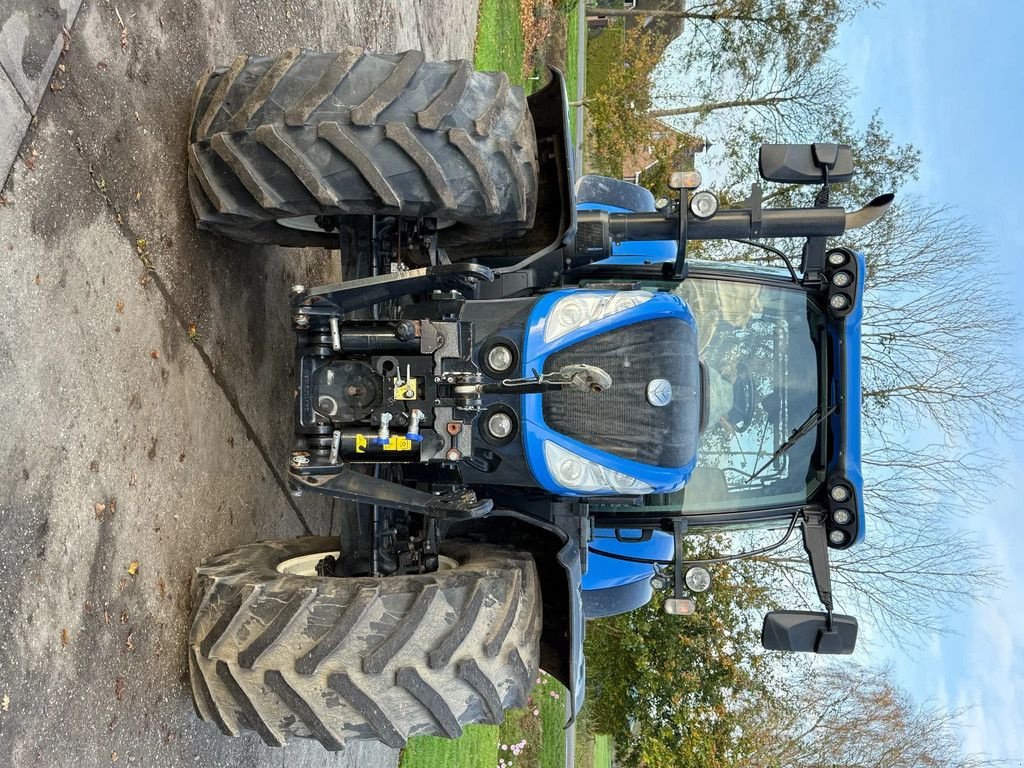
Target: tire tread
pixel 356 133
pixel 336 659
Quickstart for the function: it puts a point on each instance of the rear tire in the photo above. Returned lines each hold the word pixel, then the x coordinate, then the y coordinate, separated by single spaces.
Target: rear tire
pixel 360 658
pixel 309 134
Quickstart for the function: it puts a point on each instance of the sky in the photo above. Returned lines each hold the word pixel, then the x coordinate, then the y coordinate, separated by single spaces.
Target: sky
pixel 948 77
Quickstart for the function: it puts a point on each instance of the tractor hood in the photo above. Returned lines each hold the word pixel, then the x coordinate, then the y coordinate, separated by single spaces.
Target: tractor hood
pixel 639 435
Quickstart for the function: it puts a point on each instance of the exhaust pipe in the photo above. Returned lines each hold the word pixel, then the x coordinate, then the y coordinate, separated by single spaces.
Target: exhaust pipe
pixel 870 213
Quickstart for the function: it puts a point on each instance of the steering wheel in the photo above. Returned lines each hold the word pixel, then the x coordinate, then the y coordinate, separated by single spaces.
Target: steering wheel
pixel 741 415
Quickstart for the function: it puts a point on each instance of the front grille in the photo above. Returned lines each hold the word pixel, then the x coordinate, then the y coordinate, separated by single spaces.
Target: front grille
pixel 620 420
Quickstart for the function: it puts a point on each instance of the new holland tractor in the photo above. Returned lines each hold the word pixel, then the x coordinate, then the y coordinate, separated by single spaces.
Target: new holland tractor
pixel 525 392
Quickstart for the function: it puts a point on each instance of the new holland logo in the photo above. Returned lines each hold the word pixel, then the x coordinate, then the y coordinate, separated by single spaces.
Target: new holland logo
pixel 659 392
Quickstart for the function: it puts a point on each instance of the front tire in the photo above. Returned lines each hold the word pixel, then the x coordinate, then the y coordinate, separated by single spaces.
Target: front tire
pixel 278 144
pixel 361 658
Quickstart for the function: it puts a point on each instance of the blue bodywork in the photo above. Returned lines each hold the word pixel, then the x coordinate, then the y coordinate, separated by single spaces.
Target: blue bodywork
pixel 845 426
pixel 536 351
pixel 605 572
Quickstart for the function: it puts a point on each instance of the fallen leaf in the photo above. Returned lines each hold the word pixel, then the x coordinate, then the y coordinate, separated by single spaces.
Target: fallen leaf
pixel 38 280
pixel 129 643
pixel 119 688
pixel 106 617
pixel 133 567
pixel 140 245
pixel 98 509
pixel 155 354
pixel 124 39
pixel 161 586
pixel 119 307
pixel 124 617
pixel 113 757
pixel 64 639
pixel 193 332
pixel 5 703
pixel 122 583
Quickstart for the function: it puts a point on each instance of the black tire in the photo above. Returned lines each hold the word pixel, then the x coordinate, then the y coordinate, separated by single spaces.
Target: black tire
pixel 309 134
pixel 359 658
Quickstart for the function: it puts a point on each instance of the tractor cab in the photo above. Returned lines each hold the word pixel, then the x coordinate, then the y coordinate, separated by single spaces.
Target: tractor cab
pixel 779 352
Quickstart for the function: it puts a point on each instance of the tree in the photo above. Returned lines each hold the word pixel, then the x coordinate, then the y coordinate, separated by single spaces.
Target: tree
pixel 672 690
pixel 739 32
pixel 934 371
pixel 618 122
pixel 776 102
pixel 852 717
pixel 882 165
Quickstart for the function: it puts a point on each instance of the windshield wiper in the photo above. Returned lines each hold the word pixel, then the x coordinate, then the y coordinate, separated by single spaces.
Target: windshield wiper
pixel 812 421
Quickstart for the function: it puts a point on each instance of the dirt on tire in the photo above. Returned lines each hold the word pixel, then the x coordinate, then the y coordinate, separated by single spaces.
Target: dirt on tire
pixel 336 659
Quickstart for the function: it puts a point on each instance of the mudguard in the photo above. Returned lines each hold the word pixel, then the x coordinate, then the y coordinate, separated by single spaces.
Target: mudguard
pixel 612 586
pixel 556 552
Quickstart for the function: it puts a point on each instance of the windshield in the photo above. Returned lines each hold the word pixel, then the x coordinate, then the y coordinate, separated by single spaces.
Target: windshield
pixel 757 344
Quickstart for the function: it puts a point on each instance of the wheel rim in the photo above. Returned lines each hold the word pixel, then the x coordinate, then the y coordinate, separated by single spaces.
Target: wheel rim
pixel 305 565
pixel 304 224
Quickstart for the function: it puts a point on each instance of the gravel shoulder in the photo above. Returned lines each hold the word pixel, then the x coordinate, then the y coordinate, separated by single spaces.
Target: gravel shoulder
pixel 146 380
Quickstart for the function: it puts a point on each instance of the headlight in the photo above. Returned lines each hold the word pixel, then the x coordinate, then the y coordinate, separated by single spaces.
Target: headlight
pixel 697 579
pixel 839 302
pixel 842 516
pixel 839 493
pixel 500 358
pixel 842 279
pixel 704 205
pixel 581 309
pixel 580 474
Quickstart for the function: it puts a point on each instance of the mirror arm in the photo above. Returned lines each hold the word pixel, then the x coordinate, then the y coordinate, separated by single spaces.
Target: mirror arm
pixel 679 527
pixel 677 270
pixel 816 546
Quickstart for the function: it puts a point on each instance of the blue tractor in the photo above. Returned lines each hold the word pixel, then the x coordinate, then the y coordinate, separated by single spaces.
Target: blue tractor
pixel 523 389
pixel 761 334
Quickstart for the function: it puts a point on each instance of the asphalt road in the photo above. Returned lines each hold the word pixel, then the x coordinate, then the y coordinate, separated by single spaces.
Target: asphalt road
pixel 145 380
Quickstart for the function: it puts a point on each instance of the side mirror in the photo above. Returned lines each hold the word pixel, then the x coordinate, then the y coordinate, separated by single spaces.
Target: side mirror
pixel 805 163
pixel 808 632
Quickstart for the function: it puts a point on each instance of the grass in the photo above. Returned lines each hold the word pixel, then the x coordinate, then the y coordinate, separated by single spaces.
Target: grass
pixel 476 748
pixel 539 739
pixel 602 751
pixel 499 39
pixel 572 54
pixel 500 44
